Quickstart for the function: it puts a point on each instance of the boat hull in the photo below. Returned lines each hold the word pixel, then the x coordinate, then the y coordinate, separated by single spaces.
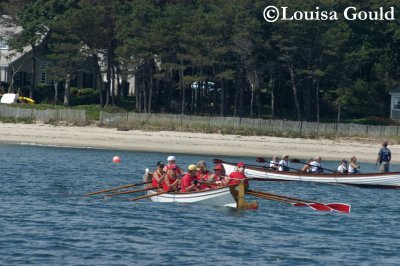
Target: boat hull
pixel 384 180
pixel 216 197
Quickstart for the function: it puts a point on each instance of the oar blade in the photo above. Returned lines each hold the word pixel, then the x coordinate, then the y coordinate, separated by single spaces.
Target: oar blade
pixel 340 207
pixel 319 207
pixel 260 160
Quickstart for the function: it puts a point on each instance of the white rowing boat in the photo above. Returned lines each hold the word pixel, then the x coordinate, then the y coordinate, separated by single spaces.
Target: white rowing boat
pixel 384 180
pixel 217 197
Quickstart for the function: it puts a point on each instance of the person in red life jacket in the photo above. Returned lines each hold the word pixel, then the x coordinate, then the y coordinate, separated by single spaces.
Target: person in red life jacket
pixel 218 176
pixel 203 176
pixel 189 181
pixel 171 180
pixel 172 161
pixel 158 175
pixel 235 177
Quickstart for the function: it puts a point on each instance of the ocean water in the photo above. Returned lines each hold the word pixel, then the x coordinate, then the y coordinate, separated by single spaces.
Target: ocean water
pixel 45 219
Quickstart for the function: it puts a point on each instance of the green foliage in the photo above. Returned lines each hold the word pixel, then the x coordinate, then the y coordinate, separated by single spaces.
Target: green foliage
pixel 374 120
pixel 308 68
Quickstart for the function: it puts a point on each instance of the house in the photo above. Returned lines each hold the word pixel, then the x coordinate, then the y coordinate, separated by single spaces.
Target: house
pixel 16 67
pixel 395 104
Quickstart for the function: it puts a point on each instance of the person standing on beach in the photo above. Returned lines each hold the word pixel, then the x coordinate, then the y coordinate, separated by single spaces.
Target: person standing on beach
pixel 384 157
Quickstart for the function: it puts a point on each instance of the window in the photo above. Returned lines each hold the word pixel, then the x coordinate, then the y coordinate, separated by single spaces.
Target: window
pixel 3 45
pixel 42 73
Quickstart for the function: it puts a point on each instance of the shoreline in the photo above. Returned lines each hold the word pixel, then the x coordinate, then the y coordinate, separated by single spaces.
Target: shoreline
pixel 189 143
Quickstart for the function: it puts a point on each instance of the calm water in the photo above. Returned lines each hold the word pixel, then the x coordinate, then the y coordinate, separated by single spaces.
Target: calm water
pixel 44 218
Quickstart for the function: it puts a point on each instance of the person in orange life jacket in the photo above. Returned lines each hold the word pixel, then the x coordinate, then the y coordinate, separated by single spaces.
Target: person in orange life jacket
pixel 342 168
pixel 189 182
pixel 158 175
pixel 171 180
pixel 218 176
pixel 284 163
pixel 384 157
pixel 235 177
pixel 172 161
pixel 203 176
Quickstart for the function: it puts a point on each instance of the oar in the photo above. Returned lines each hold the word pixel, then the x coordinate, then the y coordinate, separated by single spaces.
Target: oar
pixel 262 160
pixel 131 191
pixel 151 195
pixel 117 188
pixel 339 207
pixel 218 161
pixel 298 161
pixel 313 205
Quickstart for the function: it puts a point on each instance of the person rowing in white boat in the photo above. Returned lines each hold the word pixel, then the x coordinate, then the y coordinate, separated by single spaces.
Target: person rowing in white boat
pixel 284 163
pixel 172 161
pixel 158 175
pixel 307 166
pixel 353 167
pixel 189 182
pixel 273 164
pixel 218 176
pixel 171 180
pixel 342 168
pixel 235 177
pixel 203 176
pixel 316 165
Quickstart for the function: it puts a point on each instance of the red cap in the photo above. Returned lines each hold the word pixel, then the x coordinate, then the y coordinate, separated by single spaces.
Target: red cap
pixel 218 167
pixel 240 164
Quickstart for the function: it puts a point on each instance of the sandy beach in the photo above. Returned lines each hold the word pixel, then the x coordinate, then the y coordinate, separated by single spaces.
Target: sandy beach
pixel 190 143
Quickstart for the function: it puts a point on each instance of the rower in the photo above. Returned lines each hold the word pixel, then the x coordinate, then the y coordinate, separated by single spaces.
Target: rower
pixel 171 180
pixel 203 175
pixel 273 164
pixel 307 166
pixel 189 182
pixel 218 176
pixel 235 177
pixel 353 167
pixel 158 175
pixel 342 168
pixel 284 163
pixel 172 161
pixel 316 165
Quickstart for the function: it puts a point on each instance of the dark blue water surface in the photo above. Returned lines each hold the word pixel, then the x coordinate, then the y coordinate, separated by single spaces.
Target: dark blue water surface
pixel 45 219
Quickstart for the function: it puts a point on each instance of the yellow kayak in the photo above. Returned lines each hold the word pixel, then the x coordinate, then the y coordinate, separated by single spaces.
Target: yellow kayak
pixel 26 100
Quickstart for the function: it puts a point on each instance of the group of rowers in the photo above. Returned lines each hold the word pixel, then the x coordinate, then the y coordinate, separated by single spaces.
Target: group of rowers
pixel 169 177
pixel 314 165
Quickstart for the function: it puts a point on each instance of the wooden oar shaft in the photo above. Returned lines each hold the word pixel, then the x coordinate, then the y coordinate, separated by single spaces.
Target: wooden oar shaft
pixel 131 191
pixel 298 161
pixel 117 188
pixel 269 197
pixel 282 197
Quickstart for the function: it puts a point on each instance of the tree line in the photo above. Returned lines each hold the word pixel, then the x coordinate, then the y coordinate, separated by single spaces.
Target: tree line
pixel 218 57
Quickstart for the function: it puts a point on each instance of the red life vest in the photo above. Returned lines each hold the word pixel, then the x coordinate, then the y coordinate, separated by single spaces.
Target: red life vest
pixel 235 178
pixel 171 181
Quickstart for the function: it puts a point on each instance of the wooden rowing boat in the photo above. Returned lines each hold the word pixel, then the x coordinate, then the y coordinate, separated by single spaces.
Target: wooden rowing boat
pixel 217 197
pixel 382 180
pixel 226 196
